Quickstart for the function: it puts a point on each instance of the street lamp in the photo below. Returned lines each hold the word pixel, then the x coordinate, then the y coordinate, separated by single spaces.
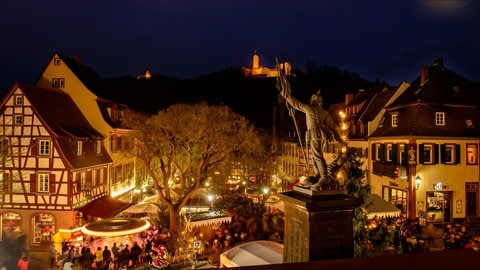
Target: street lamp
pixel 418 181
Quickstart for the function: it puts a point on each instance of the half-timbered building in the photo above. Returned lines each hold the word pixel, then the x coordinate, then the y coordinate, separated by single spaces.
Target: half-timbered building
pixel 52 161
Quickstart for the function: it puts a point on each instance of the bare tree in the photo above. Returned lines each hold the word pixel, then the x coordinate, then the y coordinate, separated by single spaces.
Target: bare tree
pixel 185 142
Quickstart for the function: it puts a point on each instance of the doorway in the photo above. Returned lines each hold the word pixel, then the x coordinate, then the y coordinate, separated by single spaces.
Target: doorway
pixel 471 199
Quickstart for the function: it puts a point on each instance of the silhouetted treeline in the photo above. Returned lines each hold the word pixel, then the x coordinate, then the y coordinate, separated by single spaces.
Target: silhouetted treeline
pixel 253 97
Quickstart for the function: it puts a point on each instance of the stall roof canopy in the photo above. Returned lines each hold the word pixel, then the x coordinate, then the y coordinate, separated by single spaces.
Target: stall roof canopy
pixel 378 207
pixel 104 207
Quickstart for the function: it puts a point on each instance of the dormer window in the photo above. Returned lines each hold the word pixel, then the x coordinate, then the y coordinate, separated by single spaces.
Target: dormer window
pixel 98 146
pixel 58 82
pixel 440 118
pixel 79 148
pixel 394 120
pixel 469 123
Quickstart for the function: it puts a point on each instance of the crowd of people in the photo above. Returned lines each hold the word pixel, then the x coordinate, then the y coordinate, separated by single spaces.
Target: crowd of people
pixel 457 236
pixel 98 254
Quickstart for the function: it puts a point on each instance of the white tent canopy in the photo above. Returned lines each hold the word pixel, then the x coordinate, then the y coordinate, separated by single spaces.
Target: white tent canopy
pixel 143 208
pixel 377 207
pixel 259 252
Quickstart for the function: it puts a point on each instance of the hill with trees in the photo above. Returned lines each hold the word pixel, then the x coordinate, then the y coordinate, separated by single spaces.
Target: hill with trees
pixel 253 97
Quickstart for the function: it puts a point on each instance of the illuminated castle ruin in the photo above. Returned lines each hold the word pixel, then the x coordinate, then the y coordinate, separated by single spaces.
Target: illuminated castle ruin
pixel 258 71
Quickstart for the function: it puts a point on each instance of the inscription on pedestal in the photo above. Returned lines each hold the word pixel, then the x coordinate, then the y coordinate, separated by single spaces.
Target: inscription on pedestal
pixel 318 227
pixel 295 248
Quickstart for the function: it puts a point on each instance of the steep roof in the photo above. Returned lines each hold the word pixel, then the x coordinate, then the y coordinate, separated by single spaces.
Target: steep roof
pixel 439 85
pixel 439 90
pixel 84 73
pixel 63 118
pixel 94 83
pixel 376 104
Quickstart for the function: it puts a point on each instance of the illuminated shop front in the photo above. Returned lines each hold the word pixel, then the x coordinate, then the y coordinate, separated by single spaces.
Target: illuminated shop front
pixel 397 197
pixel 11 224
pixel 439 206
pixel 43 225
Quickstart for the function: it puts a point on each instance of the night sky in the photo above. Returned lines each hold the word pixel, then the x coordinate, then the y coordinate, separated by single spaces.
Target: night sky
pixel 385 40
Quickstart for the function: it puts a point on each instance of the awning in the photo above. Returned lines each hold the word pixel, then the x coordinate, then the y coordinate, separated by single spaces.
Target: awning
pixel 208 218
pixel 104 207
pixel 377 207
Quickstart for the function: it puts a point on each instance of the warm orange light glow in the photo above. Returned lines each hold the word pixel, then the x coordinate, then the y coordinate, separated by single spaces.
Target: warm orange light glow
pixel 116 227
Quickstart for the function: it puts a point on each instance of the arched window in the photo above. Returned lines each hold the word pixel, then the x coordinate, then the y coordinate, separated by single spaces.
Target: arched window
pixel 43 228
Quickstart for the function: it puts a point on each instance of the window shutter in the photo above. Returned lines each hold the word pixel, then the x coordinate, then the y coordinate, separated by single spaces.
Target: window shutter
pixel 421 154
pixel 442 153
pixel 374 156
pixel 394 156
pixel 457 154
pixel 33 183
pixel 52 183
pixel 34 147
pixel 381 152
pixel 404 155
pixel 436 153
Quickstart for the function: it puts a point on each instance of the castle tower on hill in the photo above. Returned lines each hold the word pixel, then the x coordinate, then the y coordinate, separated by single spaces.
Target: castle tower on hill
pixel 258 71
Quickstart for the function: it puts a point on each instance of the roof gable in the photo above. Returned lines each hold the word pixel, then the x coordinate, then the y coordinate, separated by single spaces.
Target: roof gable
pixel 439 85
pixel 65 123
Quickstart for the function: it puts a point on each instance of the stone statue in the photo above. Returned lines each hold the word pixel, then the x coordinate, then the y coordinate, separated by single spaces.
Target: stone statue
pixel 320 129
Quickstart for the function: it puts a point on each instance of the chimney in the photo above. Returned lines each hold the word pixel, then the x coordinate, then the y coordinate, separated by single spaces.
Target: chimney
pixel 438 61
pixel 78 58
pixel 348 98
pixel 423 74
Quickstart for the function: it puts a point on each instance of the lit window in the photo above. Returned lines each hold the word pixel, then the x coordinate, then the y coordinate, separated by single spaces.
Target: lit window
pixel 378 153
pixel 58 82
pixel 440 118
pixel 472 154
pixel 389 152
pixel 43 182
pixel 449 155
pixel 355 109
pixel 79 148
pixel 44 147
pixel 428 154
pixel 18 119
pixel 394 120
pixel 98 147
pixel 57 61
pixel 83 180
pixel 469 123
pixel 18 100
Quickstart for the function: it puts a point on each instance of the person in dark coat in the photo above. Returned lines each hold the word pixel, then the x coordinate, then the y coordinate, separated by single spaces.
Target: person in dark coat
pixel 107 258
pixel 135 254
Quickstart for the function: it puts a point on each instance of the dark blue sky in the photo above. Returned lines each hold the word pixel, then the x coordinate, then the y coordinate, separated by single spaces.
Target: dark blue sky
pixel 388 40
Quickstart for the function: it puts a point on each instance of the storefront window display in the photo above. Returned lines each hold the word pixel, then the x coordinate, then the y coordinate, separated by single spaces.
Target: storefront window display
pixel 438 207
pixel 11 222
pixel 43 228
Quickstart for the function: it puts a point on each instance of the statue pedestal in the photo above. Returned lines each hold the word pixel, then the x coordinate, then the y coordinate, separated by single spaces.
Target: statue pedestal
pixel 318 225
